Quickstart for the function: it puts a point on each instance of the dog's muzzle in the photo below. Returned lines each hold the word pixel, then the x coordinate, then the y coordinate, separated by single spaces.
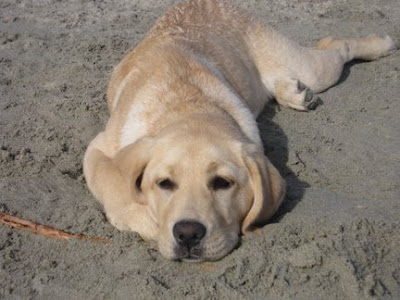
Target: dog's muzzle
pixel 188 235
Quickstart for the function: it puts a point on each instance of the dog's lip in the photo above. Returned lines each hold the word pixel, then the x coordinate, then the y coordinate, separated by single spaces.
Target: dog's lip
pixel 192 259
pixel 189 256
pixel 193 255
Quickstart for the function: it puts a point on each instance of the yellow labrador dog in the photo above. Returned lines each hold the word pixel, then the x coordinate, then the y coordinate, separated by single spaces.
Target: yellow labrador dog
pixel 181 160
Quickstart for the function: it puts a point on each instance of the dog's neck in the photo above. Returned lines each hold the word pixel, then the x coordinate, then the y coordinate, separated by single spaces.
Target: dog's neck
pixel 208 124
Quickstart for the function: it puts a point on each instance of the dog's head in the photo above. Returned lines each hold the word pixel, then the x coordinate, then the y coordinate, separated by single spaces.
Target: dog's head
pixel 202 189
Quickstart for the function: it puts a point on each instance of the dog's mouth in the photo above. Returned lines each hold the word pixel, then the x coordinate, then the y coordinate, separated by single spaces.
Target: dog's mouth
pixel 191 259
pixel 187 254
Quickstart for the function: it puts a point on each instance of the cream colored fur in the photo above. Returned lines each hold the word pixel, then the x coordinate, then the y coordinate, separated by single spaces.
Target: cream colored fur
pixel 183 105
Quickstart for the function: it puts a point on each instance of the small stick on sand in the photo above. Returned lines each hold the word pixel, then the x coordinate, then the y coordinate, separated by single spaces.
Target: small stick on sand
pixel 46 231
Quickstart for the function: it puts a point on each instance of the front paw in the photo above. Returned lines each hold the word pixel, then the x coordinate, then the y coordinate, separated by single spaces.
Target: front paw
pixel 310 100
pixel 118 222
pixel 134 218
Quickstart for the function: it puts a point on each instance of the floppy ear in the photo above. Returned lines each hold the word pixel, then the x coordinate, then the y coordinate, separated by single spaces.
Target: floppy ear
pixel 116 179
pixel 131 162
pixel 113 182
pixel 268 186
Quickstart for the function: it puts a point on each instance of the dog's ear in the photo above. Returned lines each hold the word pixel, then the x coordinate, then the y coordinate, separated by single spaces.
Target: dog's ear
pixel 268 187
pixel 131 161
pixel 115 182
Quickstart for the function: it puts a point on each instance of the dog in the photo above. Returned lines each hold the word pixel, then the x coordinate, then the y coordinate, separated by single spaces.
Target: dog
pixel 181 160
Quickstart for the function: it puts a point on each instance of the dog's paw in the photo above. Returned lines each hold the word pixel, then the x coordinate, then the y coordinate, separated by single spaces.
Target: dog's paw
pixel 118 223
pixel 380 46
pixel 390 46
pixel 134 217
pixel 310 101
pixel 291 92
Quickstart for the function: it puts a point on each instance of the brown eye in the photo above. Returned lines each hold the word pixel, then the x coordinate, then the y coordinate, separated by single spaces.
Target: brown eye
pixel 219 183
pixel 166 184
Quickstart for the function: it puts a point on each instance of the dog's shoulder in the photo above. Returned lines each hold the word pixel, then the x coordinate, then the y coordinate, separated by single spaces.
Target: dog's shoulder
pixel 199 17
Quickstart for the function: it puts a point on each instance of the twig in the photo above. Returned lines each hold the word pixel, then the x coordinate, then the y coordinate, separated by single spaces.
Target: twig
pixel 46 231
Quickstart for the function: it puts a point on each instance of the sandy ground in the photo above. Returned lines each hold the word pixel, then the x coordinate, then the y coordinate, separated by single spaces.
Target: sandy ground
pixel 336 237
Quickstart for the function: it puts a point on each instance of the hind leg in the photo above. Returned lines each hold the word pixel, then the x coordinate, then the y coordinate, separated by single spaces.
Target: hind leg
pixel 290 92
pixel 283 64
pixel 369 48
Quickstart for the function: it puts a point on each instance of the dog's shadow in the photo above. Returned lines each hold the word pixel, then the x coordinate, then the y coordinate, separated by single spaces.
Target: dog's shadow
pixel 347 69
pixel 275 144
pixel 276 149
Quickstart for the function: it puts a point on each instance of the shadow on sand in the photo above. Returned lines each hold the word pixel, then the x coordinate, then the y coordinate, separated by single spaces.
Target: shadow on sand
pixel 275 144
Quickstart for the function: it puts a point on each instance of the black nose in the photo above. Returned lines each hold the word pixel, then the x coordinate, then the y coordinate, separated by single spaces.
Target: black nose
pixel 188 233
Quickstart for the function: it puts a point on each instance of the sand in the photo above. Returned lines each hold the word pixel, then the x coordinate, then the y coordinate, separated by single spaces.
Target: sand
pixel 336 237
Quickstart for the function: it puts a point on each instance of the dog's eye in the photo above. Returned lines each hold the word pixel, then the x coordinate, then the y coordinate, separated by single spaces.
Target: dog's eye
pixel 219 183
pixel 166 184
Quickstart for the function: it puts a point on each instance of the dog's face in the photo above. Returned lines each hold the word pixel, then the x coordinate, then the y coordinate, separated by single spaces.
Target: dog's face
pixel 199 193
pixel 202 192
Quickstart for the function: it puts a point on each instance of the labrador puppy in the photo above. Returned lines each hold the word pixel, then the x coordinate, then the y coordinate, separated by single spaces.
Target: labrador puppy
pixel 181 159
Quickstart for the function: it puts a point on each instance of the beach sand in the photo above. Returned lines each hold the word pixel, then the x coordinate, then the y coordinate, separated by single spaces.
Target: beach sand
pixel 337 236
